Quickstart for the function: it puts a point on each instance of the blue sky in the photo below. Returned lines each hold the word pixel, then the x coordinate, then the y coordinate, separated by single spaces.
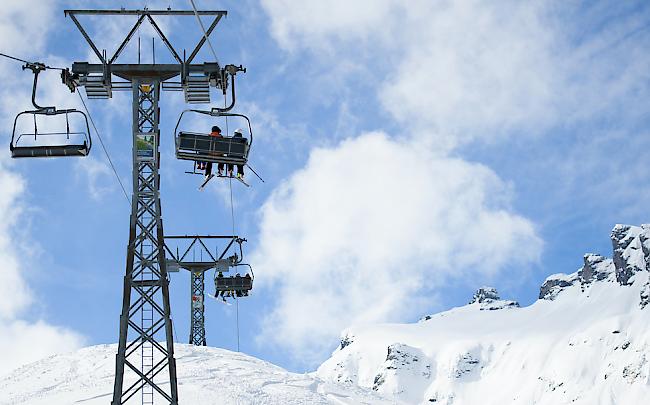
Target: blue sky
pixel 411 155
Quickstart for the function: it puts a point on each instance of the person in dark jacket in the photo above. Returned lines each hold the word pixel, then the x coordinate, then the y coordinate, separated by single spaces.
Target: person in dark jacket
pixel 238 136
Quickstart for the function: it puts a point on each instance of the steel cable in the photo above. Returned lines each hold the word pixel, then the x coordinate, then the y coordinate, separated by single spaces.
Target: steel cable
pixel 108 156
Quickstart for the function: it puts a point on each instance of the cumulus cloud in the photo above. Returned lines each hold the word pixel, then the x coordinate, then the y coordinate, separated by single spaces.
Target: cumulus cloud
pixel 23 28
pixel 369 228
pixel 451 74
pixel 21 341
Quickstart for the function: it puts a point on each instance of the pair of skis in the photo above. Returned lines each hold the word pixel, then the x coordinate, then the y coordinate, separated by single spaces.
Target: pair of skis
pixel 208 178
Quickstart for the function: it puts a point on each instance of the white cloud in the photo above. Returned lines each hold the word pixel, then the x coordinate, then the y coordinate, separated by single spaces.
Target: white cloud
pixel 24 26
pixel 313 24
pixel 23 342
pixel 370 228
pixel 98 176
pixel 468 70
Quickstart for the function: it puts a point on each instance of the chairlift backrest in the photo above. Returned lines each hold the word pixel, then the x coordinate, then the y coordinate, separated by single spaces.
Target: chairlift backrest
pixel 233 283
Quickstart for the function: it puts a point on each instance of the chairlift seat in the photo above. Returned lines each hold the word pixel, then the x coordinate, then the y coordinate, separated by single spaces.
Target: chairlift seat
pixel 233 283
pixel 49 151
pixel 43 144
pixel 205 148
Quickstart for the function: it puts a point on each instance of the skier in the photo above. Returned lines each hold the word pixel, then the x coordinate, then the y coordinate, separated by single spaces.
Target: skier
pixel 216 132
pixel 220 293
pixel 239 137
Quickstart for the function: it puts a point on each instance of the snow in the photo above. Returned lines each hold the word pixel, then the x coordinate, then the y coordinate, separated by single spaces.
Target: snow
pixel 205 376
pixel 586 343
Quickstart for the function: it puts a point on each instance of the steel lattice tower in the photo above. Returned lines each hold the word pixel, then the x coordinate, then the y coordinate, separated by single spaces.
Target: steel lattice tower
pixel 146 284
pixel 197 327
pixel 146 348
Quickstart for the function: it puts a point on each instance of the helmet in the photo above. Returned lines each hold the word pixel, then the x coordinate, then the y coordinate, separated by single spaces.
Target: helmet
pixel 216 129
pixel 239 131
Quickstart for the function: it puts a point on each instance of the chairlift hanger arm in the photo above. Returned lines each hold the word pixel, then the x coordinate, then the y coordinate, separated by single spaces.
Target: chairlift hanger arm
pixel 37 68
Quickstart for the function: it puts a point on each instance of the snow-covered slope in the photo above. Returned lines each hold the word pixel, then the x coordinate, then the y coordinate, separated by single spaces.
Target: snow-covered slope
pixel 206 376
pixel 585 341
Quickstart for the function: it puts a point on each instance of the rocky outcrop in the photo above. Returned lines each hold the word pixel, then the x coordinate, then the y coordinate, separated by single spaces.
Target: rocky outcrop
pixel 596 268
pixel 555 284
pixel 631 246
pixel 346 340
pixel 488 299
pixel 484 294
pixel 631 251
pixel 405 366
pixel 645 295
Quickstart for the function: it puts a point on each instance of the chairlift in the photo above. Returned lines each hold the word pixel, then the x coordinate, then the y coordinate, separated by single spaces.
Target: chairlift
pixel 201 147
pixel 236 283
pixel 29 141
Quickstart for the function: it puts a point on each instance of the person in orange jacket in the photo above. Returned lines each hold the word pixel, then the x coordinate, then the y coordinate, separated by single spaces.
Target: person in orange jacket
pixel 216 132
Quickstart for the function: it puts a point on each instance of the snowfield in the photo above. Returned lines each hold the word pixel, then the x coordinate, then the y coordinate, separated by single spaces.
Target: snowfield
pixel 585 341
pixel 205 376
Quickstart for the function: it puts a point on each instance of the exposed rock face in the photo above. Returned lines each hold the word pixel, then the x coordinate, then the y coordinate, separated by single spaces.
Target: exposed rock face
pixel 631 245
pixel 489 300
pixel 405 366
pixel 555 284
pixel 484 294
pixel 595 268
pixel 631 251
pixel 346 341
pixel 645 295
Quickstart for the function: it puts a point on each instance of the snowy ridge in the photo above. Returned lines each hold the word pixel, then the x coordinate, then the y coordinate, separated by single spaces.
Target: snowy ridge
pixel 205 376
pixel 585 341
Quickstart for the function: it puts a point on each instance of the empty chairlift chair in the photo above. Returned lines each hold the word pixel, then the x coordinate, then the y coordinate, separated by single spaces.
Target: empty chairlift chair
pixel 48 132
pixel 52 137
pixel 201 147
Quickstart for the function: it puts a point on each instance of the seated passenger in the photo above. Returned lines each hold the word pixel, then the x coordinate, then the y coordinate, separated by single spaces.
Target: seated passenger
pixel 238 135
pixel 216 132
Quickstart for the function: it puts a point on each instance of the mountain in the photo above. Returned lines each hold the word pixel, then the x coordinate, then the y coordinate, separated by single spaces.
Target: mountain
pixel 206 376
pixel 586 340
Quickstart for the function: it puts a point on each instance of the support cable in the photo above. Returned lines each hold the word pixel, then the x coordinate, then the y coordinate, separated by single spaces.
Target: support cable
pixel 14 58
pixel 27 62
pixel 205 33
pixel 232 209
pixel 108 156
pixel 237 306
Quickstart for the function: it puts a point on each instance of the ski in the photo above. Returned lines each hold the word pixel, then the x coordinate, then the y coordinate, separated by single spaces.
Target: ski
pixel 242 181
pixel 236 178
pixel 207 179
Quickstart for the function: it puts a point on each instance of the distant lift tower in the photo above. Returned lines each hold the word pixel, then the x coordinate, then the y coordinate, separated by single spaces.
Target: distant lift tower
pixel 146 340
pixel 193 254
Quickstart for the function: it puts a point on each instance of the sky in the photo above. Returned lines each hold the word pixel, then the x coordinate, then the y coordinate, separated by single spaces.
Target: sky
pixel 411 151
